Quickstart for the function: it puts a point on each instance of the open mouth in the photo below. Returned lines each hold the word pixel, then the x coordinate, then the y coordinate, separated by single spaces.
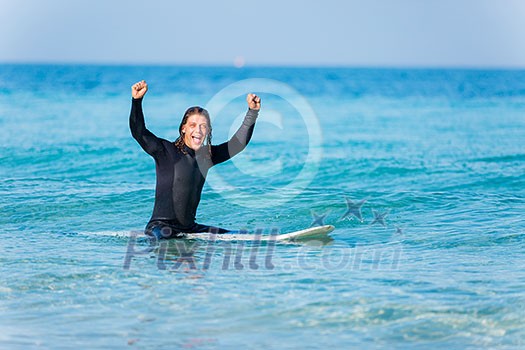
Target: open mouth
pixel 197 139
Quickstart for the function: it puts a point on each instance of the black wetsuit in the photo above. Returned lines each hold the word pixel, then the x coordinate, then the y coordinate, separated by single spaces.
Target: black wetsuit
pixel 181 174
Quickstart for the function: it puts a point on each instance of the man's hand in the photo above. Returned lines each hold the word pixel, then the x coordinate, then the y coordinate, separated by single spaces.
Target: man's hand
pixel 254 101
pixel 138 90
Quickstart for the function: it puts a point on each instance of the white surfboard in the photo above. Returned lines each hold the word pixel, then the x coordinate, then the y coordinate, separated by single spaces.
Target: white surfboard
pixel 320 233
pixel 312 233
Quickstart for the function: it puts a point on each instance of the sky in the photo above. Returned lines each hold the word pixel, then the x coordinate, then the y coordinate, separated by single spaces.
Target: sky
pixel 371 33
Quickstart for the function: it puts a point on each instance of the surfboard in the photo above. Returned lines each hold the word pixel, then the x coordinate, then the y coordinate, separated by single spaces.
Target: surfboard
pixel 319 233
pixel 312 233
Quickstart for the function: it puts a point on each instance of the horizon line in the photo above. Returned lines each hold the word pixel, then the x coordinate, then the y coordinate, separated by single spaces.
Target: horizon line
pixel 265 65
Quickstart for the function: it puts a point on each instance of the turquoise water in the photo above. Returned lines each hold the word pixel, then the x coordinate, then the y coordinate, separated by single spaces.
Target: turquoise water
pixel 438 153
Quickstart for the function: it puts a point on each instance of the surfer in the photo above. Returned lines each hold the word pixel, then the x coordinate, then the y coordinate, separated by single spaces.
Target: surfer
pixel 182 165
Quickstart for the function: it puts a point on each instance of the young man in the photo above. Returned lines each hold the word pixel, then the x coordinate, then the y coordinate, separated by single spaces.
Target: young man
pixel 182 165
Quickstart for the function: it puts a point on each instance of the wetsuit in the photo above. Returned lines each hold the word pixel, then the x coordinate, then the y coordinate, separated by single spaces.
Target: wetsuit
pixel 181 174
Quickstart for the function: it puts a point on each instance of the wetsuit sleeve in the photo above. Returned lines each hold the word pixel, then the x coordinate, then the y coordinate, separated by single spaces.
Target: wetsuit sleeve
pixel 239 140
pixel 149 142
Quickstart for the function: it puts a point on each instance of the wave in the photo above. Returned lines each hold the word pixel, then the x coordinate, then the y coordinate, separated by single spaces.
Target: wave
pixel 501 159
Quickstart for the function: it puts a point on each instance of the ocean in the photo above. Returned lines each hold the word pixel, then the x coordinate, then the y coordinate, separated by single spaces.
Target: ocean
pixel 421 171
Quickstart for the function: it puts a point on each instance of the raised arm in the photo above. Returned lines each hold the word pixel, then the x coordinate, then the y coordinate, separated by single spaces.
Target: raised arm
pixel 242 136
pixel 149 142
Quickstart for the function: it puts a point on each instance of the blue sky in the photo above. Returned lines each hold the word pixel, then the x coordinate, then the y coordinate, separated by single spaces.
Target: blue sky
pixel 424 33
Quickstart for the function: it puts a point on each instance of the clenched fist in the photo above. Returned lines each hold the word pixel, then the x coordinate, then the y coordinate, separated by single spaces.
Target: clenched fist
pixel 138 90
pixel 254 101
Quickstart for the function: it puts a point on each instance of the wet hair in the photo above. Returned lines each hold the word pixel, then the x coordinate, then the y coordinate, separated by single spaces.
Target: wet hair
pixel 179 142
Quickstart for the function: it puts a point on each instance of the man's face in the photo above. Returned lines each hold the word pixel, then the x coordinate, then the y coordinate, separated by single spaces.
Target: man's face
pixel 195 131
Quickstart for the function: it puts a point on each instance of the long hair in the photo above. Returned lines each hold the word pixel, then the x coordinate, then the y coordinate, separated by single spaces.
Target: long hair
pixel 179 142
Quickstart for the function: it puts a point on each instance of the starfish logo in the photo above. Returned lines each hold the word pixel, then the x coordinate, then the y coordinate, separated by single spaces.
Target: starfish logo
pixel 318 218
pixel 379 218
pixel 354 210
